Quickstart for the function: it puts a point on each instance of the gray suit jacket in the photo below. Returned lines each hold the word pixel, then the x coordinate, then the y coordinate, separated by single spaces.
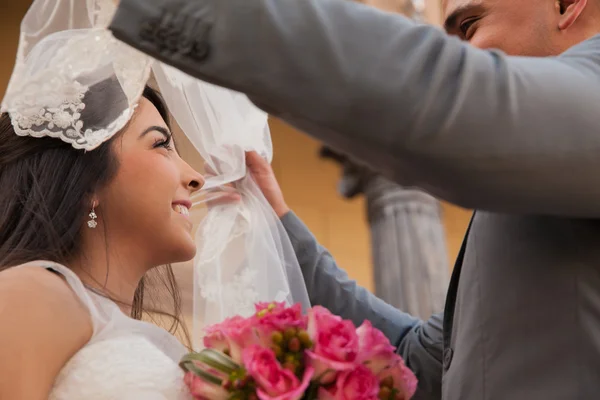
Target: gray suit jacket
pixel 516 138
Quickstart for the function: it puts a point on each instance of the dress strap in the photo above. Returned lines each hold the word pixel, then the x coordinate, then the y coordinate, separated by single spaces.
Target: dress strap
pixel 76 285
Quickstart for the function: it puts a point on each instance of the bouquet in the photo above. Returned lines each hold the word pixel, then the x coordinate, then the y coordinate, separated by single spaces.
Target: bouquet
pixel 280 354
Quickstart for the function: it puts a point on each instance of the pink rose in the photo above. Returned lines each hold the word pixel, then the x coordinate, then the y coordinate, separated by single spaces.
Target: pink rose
pixel 232 335
pixel 357 384
pixel 375 350
pixel 335 344
pixel 202 390
pixel 273 381
pixel 215 339
pixel 275 305
pixel 401 378
pixel 277 317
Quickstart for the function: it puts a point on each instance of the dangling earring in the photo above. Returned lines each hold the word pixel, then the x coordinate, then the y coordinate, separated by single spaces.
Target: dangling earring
pixel 92 222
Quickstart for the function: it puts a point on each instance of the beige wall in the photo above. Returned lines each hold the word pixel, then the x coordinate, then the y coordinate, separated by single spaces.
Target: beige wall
pixel 308 182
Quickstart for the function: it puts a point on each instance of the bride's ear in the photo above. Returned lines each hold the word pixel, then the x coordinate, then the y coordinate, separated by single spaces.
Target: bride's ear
pixel 570 11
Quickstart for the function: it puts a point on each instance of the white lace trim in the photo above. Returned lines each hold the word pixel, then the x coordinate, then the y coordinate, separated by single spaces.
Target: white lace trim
pixel 50 102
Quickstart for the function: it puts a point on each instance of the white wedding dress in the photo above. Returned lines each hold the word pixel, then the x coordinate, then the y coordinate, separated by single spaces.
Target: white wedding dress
pixel 125 358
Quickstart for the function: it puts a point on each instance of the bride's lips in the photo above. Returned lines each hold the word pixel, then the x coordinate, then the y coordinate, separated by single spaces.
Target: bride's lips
pixel 182 207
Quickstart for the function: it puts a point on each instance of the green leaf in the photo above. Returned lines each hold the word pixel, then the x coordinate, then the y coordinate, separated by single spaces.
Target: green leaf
pixel 218 360
pixel 211 358
pixel 191 367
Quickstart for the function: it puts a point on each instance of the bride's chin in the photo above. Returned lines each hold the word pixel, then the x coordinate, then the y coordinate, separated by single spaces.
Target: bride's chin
pixel 185 254
pixel 179 247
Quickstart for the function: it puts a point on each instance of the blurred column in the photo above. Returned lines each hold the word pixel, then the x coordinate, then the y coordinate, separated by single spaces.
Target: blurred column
pixel 408 242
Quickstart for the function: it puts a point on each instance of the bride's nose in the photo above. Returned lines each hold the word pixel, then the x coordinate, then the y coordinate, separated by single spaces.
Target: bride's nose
pixel 193 180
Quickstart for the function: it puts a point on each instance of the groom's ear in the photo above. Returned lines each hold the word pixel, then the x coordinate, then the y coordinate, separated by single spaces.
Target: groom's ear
pixel 569 12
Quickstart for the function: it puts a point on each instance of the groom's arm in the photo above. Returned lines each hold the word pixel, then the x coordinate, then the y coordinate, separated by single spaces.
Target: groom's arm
pixel 419 343
pixel 474 127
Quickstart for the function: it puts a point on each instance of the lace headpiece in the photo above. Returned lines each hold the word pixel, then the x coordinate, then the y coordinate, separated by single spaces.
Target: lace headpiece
pixel 66 61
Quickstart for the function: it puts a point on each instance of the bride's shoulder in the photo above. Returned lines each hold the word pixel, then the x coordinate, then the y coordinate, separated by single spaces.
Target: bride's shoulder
pixel 38 300
pixel 43 323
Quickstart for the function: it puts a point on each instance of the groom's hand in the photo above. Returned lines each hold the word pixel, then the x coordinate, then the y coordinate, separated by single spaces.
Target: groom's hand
pixel 264 177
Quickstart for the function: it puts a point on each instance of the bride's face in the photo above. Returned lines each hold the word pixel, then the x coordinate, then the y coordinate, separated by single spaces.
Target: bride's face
pixel 145 208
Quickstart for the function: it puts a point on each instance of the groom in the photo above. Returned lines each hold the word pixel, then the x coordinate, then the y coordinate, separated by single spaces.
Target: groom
pixel 516 138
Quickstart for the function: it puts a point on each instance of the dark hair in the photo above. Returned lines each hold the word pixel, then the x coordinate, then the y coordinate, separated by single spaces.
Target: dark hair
pixel 46 193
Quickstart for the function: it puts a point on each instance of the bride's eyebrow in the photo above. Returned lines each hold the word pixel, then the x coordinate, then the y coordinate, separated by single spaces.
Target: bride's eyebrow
pixel 156 128
pixel 161 129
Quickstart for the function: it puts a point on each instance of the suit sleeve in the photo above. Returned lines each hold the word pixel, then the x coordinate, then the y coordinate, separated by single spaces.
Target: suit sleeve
pixel 419 343
pixel 474 127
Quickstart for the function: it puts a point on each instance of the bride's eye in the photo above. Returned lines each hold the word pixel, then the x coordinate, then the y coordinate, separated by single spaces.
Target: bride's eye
pixel 165 142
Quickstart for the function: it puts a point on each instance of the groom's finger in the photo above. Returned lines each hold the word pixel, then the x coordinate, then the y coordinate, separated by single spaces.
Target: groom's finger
pixel 255 162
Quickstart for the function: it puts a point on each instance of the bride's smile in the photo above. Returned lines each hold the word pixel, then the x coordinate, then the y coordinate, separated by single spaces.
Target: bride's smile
pixel 182 208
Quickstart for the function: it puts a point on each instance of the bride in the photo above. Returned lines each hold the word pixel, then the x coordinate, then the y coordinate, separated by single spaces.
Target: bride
pixel 96 200
pixel 102 219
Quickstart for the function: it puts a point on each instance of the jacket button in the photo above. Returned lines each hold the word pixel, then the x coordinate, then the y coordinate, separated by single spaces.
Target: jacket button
pixel 200 51
pixel 147 30
pixel 185 45
pixel 171 42
pixel 163 32
pixel 448 354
